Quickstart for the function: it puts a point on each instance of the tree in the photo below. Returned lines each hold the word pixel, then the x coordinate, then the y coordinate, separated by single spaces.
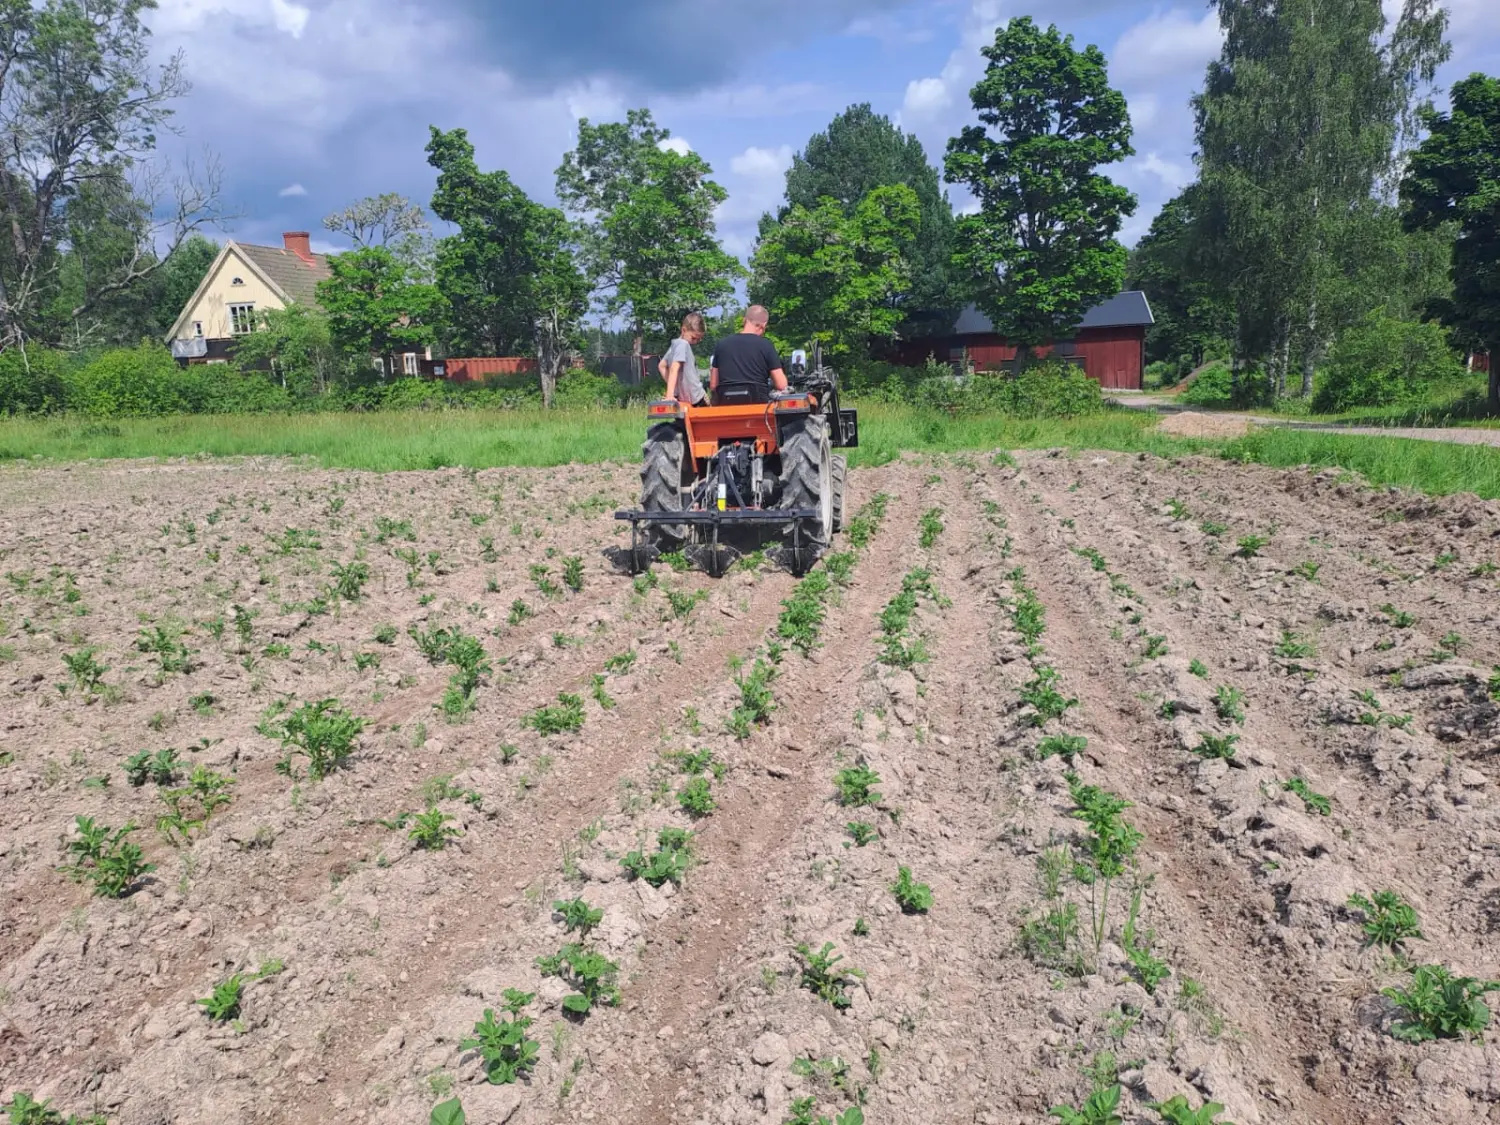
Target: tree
pixel 388 220
pixel 295 345
pixel 830 277
pixel 1299 125
pixel 1454 177
pixel 80 106
pixel 509 274
pixel 376 309
pixel 181 274
pixel 1192 315
pixel 859 152
pixel 1042 249
pixel 646 224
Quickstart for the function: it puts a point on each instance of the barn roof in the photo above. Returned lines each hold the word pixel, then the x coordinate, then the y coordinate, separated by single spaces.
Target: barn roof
pixel 1122 310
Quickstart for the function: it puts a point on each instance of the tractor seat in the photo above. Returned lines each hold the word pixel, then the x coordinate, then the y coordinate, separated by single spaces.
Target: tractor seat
pixel 741 394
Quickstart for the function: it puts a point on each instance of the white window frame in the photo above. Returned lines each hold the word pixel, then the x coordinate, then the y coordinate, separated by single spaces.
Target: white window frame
pixel 245 310
pixel 411 363
pixel 197 330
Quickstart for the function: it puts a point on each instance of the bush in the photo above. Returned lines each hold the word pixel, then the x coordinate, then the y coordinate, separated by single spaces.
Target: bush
pixel 137 382
pixel 1212 388
pixel 1383 361
pixel 585 389
pixel 32 382
pixel 1041 390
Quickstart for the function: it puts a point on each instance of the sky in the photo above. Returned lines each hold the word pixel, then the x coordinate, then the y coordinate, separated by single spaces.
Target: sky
pixel 311 104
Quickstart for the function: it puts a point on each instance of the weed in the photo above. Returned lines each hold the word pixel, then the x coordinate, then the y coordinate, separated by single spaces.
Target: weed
pixel 1390 920
pixel 1293 647
pixel 822 975
pixel 1156 646
pixel 591 974
pixel 1249 545
pixel 683 602
pixel 387 529
pixel 224 1002
pixel 856 786
pixel 1176 1111
pixel 1066 746
pixel 324 732
pixel 756 700
pixel 1046 701
pixel 1399 618
pixel 912 897
pixel 572 574
pixel 1216 745
pixel 602 697
pixel 1307 570
pixel 860 832
pixel 1177 509
pixel 519 612
pixel 802 1110
pixel 1439 1005
pixel 861 928
pixel 431 830
pixel 508 1053
pixel 621 663
pixel 565 718
pixel 364 661
pixel 1099 1109
pixel 1211 529
pixel 1149 968
pixel 349 581
pixel 1050 940
pixel 1228 704
pixel 696 798
pixel 578 916
pixel 930 527
pixel 1315 802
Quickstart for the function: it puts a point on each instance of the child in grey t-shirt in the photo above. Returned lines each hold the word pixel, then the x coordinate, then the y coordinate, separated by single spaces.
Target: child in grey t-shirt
pixel 680 367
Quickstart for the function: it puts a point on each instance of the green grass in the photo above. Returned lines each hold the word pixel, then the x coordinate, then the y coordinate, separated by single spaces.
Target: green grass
pixel 385 441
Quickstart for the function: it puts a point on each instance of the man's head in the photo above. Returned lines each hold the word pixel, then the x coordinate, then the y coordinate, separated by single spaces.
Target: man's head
pixel 756 319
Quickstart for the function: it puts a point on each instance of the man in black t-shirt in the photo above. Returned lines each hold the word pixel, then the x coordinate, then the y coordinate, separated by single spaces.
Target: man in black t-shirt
pixel 745 365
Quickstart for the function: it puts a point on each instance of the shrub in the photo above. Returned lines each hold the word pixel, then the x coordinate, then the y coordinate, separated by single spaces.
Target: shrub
pixel 32 382
pixel 1382 361
pixel 1213 388
pixel 136 382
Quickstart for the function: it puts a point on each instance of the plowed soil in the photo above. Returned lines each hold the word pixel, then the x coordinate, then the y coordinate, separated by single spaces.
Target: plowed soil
pixel 1361 634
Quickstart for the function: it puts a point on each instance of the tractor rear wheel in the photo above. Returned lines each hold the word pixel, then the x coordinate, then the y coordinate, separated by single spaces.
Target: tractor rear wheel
pixel 840 477
pixel 807 478
pixel 661 484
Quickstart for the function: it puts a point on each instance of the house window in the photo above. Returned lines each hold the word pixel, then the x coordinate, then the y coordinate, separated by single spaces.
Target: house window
pixel 410 364
pixel 238 281
pixel 241 319
pixel 197 330
pixel 378 362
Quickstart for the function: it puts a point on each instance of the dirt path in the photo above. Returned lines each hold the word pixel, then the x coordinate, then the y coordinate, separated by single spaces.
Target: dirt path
pixel 1355 638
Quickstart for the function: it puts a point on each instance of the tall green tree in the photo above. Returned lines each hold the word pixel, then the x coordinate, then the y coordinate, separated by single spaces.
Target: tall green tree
pixel 1454 178
pixel 1192 315
pixel 1043 248
pixel 645 216
pixel 295 345
pixel 859 152
pixel 390 220
pixel 181 274
pixel 830 276
pixel 80 108
pixel 510 273
pixel 1299 125
pixel 376 309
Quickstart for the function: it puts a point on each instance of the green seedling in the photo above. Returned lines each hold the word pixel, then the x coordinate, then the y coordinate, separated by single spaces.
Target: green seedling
pixel 860 832
pixel 823 976
pixel 349 581
pixel 1150 969
pixel 696 798
pixel 1198 668
pixel 519 612
pixel 803 1113
pixel 1176 1111
pixel 224 1002
pixel 387 529
pixel 1293 647
pixel 1099 1109
pixel 1046 701
pixel 171 654
pixel 565 718
pixel 856 786
pixel 670 861
pixel 1156 646
pixel 1051 939
pixel 1399 618
pixel 385 635
pixel 677 561
pixel 1111 844
pixel 1096 560
pixel 591 975
pixel 431 831
pixel 1216 745
pixel 930 526
pixel 683 602
pixel 802 614
pixel 756 701
pixel 1065 746
pixel 601 696
pixel 1315 802
pixel 23 1109
pixel 508 1054
pixel 544 584
pixel 572 573
pixel 1439 1005
pixel 1249 545
pixel 911 896
pixel 1211 529
pixel 1307 570
pixel 106 858
pixel 578 916
pixel 364 661
pixel 1228 704
pixel 1390 921
pixel 323 732
pixel 866 522
pixel 191 806
pixel 85 671
pixel 895 621
pixel 621 663
pixel 1177 509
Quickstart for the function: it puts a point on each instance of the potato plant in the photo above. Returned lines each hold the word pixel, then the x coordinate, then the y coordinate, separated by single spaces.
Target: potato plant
pixel 106 858
pixel 224 1002
pixel 670 861
pixel 823 976
pixel 565 718
pixel 591 975
pixel 1390 921
pixel 1099 1109
pixel 1439 1005
pixel 323 732
pixel 23 1109
pixel 911 896
pixel 508 1054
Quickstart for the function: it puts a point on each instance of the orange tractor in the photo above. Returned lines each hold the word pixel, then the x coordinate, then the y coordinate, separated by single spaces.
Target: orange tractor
pixel 715 479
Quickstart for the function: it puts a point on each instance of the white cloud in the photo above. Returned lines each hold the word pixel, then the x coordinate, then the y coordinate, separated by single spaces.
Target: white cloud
pixel 1173 175
pixel 970 208
pixel 1166 45
pixel 292 190
pixel 892 31
pixel 289 17
pixel 925 97
pixel 762 163
pixel 679 145
pixel 596 100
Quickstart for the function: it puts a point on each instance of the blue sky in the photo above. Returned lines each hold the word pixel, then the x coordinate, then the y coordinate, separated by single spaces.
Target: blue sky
pixel 311 104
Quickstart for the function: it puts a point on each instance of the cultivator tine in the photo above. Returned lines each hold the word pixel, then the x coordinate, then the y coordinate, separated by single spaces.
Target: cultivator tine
pixel 714 558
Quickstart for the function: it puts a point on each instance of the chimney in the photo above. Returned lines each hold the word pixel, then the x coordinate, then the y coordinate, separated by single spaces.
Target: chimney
pixel 299 242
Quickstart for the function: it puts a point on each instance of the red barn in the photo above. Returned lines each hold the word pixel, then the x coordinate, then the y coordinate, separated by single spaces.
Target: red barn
pixel 1110 343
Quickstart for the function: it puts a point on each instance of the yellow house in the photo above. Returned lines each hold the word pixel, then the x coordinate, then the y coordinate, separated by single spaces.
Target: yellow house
pixel 243 281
